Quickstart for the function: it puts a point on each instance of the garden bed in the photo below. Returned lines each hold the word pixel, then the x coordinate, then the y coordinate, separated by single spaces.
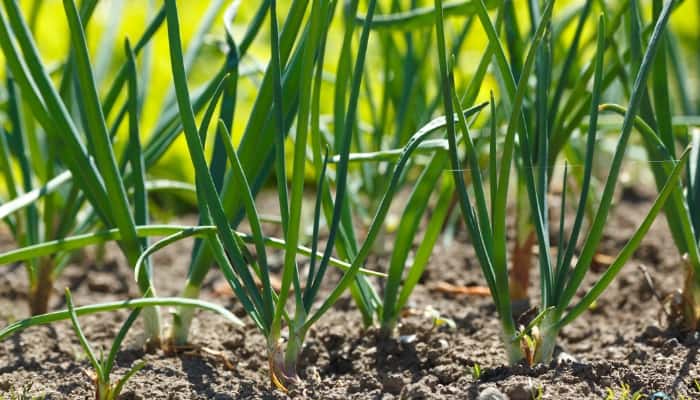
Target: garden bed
pixel 620 342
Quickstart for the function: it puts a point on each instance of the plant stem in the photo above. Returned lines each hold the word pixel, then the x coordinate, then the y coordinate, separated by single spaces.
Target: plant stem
pixel 183 317
pixel 152 325
pixel 386 329
pixel 691 297
pixel 283 363
pixel 41 290
pixel 519 276
pixel 547 340
pixel 291 355
pixel 103 390
pixel 513 351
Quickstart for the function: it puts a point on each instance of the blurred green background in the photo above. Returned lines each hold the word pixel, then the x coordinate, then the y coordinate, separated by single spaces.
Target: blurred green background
pixel 116 19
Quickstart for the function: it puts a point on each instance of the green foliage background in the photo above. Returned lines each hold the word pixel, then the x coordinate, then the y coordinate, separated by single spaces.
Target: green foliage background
pixel 53 40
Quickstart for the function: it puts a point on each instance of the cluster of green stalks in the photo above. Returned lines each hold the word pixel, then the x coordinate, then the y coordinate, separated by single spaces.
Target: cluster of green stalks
pixel 398 119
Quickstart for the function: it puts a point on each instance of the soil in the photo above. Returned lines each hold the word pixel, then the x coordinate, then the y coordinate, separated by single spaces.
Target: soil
pixel 621 343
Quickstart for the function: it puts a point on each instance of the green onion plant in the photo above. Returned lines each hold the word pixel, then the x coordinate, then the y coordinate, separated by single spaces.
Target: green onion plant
pixel 96 188
pixel 299 71
pixel 563 95
pixel 404 104
pixel 96 181
pixel 560 280
pixel 680 212
pixel 261 139
pixel 655 121
pixel 105 389
pixel 285 316
pixel 103 366
pixel 88 153
pixel 559 105
pixel 402 277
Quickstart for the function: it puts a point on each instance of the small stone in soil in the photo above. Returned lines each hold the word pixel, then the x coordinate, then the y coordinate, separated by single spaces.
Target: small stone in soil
pixel 492 393
pixel 131 396
pixel 669 346
pixel 407 339
pixel 437 349
pixel 565 358
pixel 313 375
pixel 370 351
pixel 520 391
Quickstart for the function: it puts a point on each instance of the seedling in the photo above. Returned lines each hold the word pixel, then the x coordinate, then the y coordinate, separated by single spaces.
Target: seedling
pixel 105 389
pixel 475 371
pixel 438 319
pixel 538 394
pixel 625 393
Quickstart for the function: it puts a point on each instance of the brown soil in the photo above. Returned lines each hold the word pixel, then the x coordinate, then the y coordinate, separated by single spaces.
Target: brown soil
pixel 619 342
